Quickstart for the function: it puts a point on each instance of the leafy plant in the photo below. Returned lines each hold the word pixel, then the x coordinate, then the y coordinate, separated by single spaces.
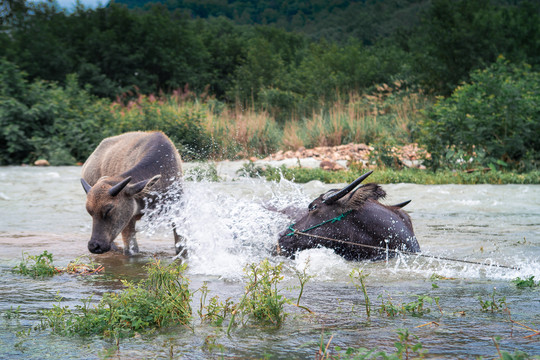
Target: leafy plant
pixel 406 349
pixel 493 304
pixel 490 122
pixel 215 311
pixel 525 283
pixel 160 300
pixel 250 169
pixel 405 345
pixel 389 308
pixel 37 265
pixel 262 302
pixel 12 313
pixel 417 307
pixel 357 278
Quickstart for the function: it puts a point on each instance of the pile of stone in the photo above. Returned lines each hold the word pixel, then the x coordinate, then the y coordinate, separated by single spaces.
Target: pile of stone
pixel 349 152
pixel 410 155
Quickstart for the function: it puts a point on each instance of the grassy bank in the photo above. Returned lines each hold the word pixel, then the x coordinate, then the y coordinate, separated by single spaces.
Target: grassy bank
pixel 387 176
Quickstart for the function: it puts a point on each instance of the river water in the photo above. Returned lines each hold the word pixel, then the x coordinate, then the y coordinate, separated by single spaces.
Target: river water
pixel 228 226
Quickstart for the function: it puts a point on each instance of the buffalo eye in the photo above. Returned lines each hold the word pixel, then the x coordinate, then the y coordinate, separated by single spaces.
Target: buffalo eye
pixel 312 207
pixel 107 212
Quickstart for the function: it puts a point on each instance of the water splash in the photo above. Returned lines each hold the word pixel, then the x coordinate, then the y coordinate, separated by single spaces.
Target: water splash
pixel 227 225
pixel 230 224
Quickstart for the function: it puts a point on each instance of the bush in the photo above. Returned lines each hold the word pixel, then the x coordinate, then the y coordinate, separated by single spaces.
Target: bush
pixel 44 120
pixel 492 122
pixel 181 120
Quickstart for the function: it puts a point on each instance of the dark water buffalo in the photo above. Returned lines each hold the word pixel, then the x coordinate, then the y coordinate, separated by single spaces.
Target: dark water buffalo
pixel 344 219
pixel 119 177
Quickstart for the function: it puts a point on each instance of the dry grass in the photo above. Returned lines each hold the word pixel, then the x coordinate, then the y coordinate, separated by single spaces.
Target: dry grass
pixel 385 116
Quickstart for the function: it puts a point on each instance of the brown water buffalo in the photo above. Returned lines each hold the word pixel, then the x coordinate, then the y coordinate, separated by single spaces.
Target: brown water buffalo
pixel 343 220
pixel 124 173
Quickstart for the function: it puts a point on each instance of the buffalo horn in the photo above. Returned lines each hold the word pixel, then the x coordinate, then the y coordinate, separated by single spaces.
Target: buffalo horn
pixel 86 186
pixel 400 205
pixel 347 189
pixel 115 190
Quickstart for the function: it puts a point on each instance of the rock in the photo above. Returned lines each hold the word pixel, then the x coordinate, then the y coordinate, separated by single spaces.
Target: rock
pixel 411 154
pixel 330 165
pixel 41 162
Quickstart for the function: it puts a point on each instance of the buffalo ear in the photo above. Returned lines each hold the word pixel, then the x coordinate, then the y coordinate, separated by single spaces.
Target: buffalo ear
pixel 366 192
pixel 144 185
pixel 86 186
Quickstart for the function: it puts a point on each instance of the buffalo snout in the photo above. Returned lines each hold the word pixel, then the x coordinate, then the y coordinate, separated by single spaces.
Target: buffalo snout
pixel 96 247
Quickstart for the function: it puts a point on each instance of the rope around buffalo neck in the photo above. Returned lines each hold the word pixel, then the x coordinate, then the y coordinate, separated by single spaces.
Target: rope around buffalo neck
pixel 337 218
pixel 340 217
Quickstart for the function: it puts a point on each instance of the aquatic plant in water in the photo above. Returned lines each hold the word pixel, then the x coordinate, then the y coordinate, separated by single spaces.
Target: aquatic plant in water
pixel 406 348
pixel 525 283
pixel 262 301
pixel 160 300
pixel 36 265
pixel 493 304
pixel 42 266
pixel 357 275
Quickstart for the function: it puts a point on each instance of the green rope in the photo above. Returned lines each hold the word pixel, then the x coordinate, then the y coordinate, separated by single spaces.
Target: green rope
pixel 337 218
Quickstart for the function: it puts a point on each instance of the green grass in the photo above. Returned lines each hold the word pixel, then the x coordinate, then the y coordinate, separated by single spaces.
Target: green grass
pixel 160 300
pixel 36 265
pixel 390 176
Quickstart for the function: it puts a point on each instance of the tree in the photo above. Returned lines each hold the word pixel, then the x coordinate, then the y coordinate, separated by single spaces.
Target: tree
pixel 492 121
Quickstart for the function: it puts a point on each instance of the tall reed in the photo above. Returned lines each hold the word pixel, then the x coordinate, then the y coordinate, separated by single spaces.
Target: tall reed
pixel 203 127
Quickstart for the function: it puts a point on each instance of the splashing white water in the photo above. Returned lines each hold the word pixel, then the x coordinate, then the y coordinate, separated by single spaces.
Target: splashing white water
pixel 228 225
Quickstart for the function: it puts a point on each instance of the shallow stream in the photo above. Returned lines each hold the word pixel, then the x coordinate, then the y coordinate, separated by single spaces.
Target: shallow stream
pixel 228 226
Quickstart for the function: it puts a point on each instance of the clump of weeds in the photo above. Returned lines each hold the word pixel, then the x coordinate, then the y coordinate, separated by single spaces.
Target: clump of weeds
pixel 389 308
pixel 216 311
pixel 160 300
pixel 415 308
pixel 517 355
pixel 303 278
pixel 36 265
pixel 262 301
pixel 493 304
pixel 203 172
pixel 406 348
pixel 42 266
pixel 12 313
pixel 525 283
pixel 357 277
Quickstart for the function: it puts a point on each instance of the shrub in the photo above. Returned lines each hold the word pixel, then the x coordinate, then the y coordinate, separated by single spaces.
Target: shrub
pixel 181 120
pixel 492 122
pixel 44 120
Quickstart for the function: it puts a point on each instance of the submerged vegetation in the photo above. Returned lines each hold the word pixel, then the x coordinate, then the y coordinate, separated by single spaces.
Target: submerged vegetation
pixel 42 266
pixel 36 265
pixel 163 298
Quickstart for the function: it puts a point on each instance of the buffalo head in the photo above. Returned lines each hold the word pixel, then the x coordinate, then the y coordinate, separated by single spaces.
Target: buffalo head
pixel 353 223
pixel 115 205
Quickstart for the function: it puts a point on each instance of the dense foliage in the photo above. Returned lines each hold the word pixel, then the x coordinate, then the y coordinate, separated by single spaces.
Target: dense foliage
pixel 69 79
pixel 43 119
pixel 334 20
pixel 492 121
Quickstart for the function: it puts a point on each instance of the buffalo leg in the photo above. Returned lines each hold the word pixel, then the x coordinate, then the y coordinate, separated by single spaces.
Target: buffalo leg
pixel 178 243
pixel 128 236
